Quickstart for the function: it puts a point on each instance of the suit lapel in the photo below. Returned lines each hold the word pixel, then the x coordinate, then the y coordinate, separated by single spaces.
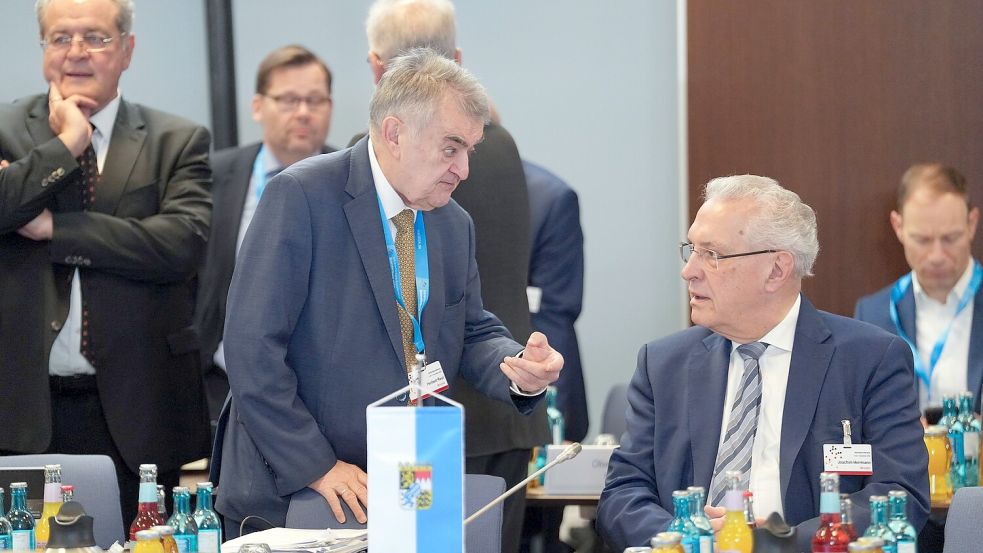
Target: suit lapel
pixel 234 198
pixel 365 223
pixel 811 355
pixel 705 390
pixel 37 123
pixel 129 133
pixel 974 373
pixel 434 310
pixel 906 313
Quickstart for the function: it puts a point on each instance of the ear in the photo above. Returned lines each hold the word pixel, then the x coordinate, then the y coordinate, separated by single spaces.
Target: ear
pixel 457 55
pixel 781 271
pixel 257 102
pixel 897 223
pixel 392 128
pixel 377 67
pixel 128 54
pixel 974 217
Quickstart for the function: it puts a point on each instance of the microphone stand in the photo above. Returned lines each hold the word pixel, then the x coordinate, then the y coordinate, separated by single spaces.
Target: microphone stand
pixel 569 453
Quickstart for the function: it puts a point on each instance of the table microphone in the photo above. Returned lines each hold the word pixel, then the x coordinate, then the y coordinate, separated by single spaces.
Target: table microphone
pixel 569 453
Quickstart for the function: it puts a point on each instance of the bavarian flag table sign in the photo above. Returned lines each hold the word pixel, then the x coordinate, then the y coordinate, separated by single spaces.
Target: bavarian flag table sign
pixel 416 476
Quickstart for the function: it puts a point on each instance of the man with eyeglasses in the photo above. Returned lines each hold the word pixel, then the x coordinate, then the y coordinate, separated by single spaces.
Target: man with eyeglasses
pixel 293 105
pixel 937 307
pixel 762 384
pixel 104 215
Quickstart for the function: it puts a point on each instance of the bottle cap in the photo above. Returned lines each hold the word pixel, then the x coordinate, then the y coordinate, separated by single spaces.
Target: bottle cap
pixel 18 485
pixel 148 535
pixel 164 530
pixel 663 539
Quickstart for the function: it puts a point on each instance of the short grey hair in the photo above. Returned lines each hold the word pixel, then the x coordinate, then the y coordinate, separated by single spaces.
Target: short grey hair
pixel 124 19
pixel 394 26
pixel 415 83
pixel 780 222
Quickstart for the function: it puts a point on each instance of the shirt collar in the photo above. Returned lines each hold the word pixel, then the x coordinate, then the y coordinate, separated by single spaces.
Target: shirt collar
pixel 104 119
pixel 782 335
pixel 270 163
pixel 957 291
pixel 392 204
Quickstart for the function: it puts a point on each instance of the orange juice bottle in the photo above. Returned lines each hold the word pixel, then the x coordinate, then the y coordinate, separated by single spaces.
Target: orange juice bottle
pixel 735 535
pixel 939 460
pixel 52 502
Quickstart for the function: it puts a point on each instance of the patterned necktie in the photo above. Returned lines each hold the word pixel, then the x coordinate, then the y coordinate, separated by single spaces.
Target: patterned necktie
pixel 735 452
pixel 87 188
pixel 407 275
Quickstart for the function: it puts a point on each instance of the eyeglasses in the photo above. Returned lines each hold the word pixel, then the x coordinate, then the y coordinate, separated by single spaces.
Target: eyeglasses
pixel 91 42
pixel 291 102
pixel 711 258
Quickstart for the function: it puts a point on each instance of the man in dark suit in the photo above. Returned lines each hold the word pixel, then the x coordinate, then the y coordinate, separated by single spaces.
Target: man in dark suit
pixel 940 300
pixel 498 441
pixel 104 214
pixel 556 282
pixel 293 105
pixel 780 374
pixel 320 324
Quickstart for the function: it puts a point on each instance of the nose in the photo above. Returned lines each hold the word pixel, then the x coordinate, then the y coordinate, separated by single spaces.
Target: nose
pixel 691 268
pixel 937 253
pixel 77 49
pixel 461 167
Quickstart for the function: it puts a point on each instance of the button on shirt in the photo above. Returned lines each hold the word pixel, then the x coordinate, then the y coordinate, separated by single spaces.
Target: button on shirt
pixel 66 357
pixel 931 319
pixel 774 368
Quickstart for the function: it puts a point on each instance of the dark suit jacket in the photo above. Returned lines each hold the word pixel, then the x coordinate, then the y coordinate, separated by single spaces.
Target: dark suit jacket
pixel 840 369
pixel 231 170
pixel 556 266
pixel 137 251
pixel 496 198
pixel 312 335
pixel 875 309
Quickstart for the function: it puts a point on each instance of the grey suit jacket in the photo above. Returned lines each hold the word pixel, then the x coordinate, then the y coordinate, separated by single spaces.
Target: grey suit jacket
pixel 137 249
pixel 312 335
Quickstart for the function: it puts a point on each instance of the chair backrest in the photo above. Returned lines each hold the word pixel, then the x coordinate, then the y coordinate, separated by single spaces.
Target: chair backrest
pixel 963 531
pixel 615 407
pixel 96 488
pixel 309 510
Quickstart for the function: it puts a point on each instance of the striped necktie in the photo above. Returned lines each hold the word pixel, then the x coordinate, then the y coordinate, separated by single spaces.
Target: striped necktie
pixel 735 452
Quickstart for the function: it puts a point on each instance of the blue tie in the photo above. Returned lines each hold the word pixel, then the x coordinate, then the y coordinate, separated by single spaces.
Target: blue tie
pixel 735 452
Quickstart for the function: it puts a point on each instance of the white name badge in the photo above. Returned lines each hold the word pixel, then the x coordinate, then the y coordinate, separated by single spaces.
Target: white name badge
pixel 534 295
pixel 853 459
pixel 432 380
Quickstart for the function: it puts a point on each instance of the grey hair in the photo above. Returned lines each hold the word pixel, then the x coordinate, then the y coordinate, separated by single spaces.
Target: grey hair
pixel 124 20
pixel 780 222
pixel 415 83
pixel 397 25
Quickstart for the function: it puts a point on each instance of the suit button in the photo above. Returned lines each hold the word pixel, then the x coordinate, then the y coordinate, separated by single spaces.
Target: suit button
pixel 86 261
pixel 56 326
pixel 69 260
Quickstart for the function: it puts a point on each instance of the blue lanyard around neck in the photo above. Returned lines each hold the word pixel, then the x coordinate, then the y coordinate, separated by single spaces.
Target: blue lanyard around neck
pixel 898 291
pixel 260 175
pixel 422 265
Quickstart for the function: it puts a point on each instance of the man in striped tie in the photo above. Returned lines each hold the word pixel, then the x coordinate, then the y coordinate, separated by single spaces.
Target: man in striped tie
pixel 761 382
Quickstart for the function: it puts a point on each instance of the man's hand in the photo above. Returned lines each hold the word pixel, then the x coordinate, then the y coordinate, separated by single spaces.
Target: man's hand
pixel 347 482
pixel 40 228
pixel 69 119
pixel 716 516
pixel 4 164
pixel 538 367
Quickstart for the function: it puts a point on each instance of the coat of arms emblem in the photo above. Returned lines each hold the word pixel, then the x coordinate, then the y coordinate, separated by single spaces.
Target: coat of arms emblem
pixel 415 486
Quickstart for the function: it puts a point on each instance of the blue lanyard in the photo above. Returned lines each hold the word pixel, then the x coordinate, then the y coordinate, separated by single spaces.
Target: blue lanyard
pixel 898 291
pixel 422 263
pixel 259 172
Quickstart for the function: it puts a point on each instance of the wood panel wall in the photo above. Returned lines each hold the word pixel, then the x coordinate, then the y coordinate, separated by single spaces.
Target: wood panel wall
pixel 835 99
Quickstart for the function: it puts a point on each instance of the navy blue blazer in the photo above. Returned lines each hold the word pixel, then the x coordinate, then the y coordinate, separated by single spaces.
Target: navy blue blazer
pixel 875 309
pixel 840 369
pixel 556 266
pixel 312 335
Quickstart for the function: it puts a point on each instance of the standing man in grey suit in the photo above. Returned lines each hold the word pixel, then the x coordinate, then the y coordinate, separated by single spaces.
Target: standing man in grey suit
pixel 104 214
pixel 939 303
pixel 498 440
pixel 355 262
pixel 293 105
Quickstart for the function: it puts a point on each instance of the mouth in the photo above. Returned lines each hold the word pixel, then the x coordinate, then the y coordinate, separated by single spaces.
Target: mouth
pixel 77 74
pixel 695 298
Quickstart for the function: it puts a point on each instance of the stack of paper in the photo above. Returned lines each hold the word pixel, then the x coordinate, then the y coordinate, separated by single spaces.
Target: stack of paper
pixel 294 540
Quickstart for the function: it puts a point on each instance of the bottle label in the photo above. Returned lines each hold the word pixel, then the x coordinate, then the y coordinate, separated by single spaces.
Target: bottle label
pixel 829 502
pixel 706 544
pixel 207 541
pixel 184 544
pixel 22 540
pixel 971 445
pixel 52 492
pixel 907 547
pixel 4 541
pixel 148 492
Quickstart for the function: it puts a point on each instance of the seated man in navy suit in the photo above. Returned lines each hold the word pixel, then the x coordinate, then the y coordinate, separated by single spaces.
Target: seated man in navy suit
pixel 762 359
pixel 940 300
pixel 354 263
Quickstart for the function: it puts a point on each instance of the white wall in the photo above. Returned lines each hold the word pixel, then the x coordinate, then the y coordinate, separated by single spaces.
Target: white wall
pixel 588 89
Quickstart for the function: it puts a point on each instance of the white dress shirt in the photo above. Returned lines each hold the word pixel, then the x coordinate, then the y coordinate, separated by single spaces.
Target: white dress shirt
pixel 773 367
pixel 66 357
pixel 931 319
